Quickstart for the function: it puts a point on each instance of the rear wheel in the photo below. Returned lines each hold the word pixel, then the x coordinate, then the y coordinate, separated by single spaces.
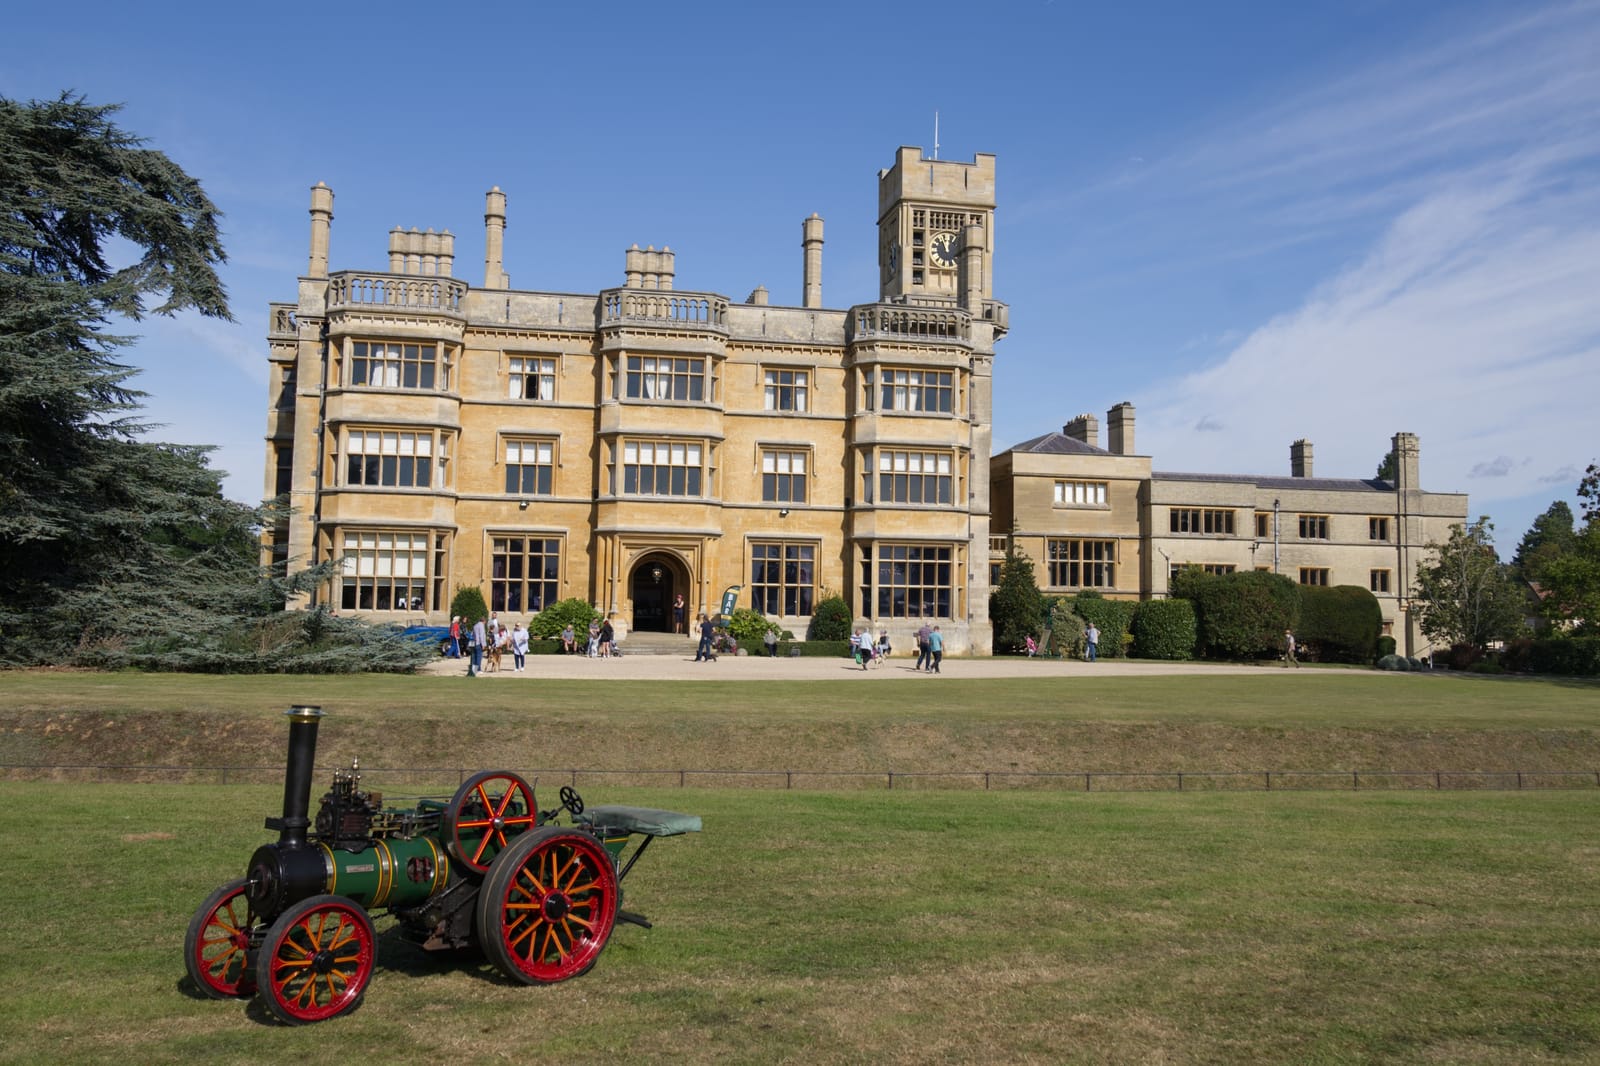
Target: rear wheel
pixel 316 960
pixel 548 906
pixel 489 811
pixel 217 945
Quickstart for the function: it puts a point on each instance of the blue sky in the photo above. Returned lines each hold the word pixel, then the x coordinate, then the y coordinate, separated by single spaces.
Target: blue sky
pixel 1256 222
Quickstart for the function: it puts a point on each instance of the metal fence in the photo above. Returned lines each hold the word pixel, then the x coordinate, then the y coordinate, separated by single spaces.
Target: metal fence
pixel 449 778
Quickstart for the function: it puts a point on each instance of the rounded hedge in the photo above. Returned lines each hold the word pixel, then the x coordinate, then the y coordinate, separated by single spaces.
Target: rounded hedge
pixel 1164 629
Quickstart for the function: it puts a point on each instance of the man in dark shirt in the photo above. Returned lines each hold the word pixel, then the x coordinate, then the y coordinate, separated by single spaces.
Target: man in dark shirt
pixel 704 653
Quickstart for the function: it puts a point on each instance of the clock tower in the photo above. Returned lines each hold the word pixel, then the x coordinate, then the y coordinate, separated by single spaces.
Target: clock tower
pixel 936 230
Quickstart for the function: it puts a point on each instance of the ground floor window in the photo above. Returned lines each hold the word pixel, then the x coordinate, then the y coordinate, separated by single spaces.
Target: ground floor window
pixel 524 573
pixel 387 570
pixel 1082 563
pixel 912 581
pixel 782 578
pixel 1313 575
pixel 1378 580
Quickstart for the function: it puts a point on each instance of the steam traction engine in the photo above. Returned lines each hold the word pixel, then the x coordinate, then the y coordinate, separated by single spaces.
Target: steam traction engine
pixel 485 868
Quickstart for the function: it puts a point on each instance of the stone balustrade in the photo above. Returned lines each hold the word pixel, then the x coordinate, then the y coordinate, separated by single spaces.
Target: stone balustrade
pixel 281 322
pixel 909 322
pixel 655 308
pixel 352 289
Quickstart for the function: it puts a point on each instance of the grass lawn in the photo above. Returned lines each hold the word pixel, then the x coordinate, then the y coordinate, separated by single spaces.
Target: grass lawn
pixel 884 927
pixel 857 925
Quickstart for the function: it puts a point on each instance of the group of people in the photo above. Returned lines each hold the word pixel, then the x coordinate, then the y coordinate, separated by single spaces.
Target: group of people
pixel 865 650
pixel 488 642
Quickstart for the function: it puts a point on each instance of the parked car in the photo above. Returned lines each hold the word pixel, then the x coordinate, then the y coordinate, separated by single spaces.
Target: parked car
pixel 438 636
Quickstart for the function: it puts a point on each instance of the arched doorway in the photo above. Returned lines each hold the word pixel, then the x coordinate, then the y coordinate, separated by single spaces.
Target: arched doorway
pixel 651 588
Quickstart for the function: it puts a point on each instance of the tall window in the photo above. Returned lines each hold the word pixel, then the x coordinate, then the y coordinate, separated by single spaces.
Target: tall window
pixel 914 581
pixel 524 574
pixel 651 377
pixel 530 467
pixel 914 477
pixel 384 570
pixel 661 468
pixel 1081 493
pixel 930 391
pixel 1195 520
pixel 1378 580
pixel 1313 575
pixel 1082 563
pixel 390 458
pixel 397 366
pixel 532 378
pixel 1263 525
pixel 782 578
pixel 786 390
pixel 1377 529
pixel 1314 527
pixel 783 477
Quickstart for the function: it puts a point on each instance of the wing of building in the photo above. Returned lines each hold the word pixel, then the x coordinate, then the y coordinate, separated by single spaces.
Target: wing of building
pixel 646 441
pixel 1101 518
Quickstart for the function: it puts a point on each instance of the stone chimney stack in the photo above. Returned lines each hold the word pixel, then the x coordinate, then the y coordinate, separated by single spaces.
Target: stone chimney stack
pixel 397 250
pixel 633 268
pixel 1407 462
pixel 811 241
pixel 1119 428
pixel 1300 458
pixel 494 240
pixel 1085 429
pixel 321 220
pixel 758 296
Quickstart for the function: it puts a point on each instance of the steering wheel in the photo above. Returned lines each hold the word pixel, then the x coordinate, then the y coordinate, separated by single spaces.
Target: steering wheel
pixel 571 800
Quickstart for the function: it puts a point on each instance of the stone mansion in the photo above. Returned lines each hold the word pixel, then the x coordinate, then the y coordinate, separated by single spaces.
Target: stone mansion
pixel 645 442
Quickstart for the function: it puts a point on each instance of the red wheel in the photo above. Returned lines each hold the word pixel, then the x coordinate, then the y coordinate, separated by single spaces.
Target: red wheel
pixel 487 813
pixel 316 960
pixel 548 905
pixel 217 945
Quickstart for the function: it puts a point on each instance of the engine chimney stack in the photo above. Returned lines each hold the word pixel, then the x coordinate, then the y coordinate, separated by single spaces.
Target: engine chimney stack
pixel 303 722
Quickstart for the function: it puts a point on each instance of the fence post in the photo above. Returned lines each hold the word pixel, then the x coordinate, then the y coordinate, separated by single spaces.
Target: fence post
pixel 1519 780
pixel 986 780
pixel 1355 779
pixel 788 779
pixel 1437 781
pixel 1269 780
pixel 891 780
pixel 1180 782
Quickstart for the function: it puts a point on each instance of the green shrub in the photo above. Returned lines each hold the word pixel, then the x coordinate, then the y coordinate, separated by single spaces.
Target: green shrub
pixel 748 627
pixel 1386 646
pixel 1111 617
pixel 1242 615
pixel 468 605
pixel 1066 630
pixel 1016 607
pixel 1516 657
pixel 1164 629
pixel 1342 623
pixel 554 618
pixel 1486 666
pixel 1394 662
pixel 1572 656
pixel 831 621
pixel 1464 656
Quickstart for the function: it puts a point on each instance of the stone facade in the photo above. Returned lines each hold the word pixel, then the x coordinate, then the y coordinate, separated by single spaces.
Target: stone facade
pixel 644 442
pixel 1101 518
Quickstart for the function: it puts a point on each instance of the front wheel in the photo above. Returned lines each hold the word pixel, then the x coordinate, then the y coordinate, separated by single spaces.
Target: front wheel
pixel 216 946
pixel 316 960
pixel 548 906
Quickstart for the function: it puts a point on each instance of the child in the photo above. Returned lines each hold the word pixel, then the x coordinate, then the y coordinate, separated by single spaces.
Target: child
pixel 1032 647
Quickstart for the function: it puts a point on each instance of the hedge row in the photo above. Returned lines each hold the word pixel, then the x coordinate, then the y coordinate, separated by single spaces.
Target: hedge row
pixel 1570 656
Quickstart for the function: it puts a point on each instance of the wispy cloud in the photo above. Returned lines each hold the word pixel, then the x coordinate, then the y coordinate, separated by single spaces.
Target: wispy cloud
pixel 1470 315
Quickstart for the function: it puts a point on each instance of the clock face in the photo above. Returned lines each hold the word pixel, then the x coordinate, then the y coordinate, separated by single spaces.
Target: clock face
pixel 943 249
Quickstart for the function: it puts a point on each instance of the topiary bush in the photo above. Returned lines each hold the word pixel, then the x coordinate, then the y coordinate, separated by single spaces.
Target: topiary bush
pixel 1394 662
pixel 1066 630
pixel 1164 629
pixel 1343 623
pixel 1386 646
pixel 1242 615
pixel 1111 617
pixel 554 618
pixel 1016 606
pixel 810 649
pixel 468 605
pixel 831 620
